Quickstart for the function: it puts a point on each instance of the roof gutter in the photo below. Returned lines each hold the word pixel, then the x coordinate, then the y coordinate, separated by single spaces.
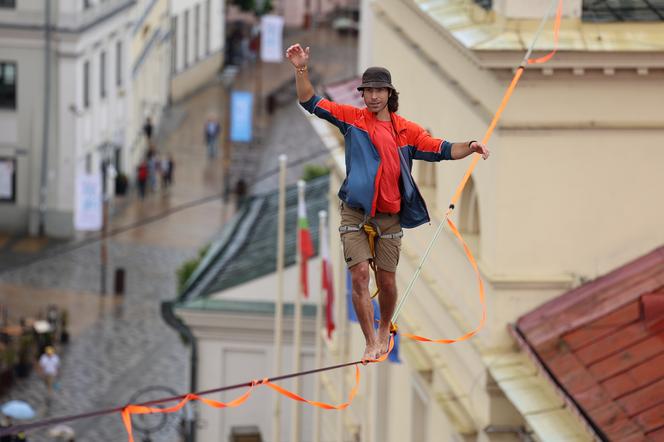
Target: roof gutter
pixel 580 413
pixel 168 314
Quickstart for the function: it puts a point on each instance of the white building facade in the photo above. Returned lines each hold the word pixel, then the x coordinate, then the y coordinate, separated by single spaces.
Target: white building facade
pixel 63 93
pixel 197 44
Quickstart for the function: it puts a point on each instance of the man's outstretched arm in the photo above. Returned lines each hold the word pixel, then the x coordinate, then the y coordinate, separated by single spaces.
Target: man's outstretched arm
pixel 462 150
pixel 300 59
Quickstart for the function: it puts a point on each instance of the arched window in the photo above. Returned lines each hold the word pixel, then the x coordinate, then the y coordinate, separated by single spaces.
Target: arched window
pixel 469 216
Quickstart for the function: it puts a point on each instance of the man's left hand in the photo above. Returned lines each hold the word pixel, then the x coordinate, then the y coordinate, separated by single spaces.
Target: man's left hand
pixel 480 148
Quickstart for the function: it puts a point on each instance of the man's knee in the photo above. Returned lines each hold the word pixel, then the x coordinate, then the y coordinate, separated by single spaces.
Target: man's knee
pixel 359 274
pixel 388 280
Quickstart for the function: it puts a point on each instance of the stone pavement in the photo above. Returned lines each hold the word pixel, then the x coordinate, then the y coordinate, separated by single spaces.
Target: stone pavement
pixel 121 344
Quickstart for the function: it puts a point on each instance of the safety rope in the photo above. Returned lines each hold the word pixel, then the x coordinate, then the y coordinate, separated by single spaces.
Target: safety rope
pixel 457 194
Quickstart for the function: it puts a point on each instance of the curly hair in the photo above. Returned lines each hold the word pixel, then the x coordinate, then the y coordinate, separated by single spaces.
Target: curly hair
pixel 393 101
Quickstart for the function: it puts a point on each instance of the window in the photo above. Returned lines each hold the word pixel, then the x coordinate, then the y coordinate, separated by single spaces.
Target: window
pixel 174 44
pixel 622 10
pixel 102 74
pixel 469 220
pixel 118 63
pixel 7 85
pixel 7 180
pixel 7 3
pixel 486 4
pixel 186 39
pixel 86 84
pixel 469 217
pixel 208 15
pixel 197 32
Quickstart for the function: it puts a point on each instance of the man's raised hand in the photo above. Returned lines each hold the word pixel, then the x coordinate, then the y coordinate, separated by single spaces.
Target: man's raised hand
pixel 298 57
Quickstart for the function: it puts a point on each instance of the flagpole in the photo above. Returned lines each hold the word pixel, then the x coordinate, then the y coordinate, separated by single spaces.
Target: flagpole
pixel 297 332
pixel 322 237
pixel 279 304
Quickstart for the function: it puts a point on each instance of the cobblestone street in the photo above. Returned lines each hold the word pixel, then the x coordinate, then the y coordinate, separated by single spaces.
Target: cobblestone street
pixel 121 344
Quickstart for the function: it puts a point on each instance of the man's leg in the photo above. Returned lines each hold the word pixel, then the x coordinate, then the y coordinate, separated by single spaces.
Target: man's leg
pixel 359 274
pixel 388 302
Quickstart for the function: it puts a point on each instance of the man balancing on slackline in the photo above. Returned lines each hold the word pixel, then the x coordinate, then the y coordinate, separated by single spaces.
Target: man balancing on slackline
pixel 379 194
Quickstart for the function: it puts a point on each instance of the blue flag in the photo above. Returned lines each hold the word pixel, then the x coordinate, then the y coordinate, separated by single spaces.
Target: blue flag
pixel 352 316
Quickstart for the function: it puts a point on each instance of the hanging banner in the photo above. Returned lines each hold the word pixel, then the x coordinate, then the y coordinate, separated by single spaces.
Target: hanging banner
pixel 241 116
pixel 88 215
pixel 272 30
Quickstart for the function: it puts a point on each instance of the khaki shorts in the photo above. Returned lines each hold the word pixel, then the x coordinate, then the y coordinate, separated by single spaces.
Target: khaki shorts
pixel 356 244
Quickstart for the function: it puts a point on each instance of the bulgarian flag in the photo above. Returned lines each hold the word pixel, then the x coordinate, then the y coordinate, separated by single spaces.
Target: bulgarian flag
pixel 305 242
pixel 326 283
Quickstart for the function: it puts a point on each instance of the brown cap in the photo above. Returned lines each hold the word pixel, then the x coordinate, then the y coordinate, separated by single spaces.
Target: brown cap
pixel 376 77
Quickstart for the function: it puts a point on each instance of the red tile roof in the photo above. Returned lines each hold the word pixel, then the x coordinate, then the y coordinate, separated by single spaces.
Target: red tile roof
pixel 345 92
pixel 604 344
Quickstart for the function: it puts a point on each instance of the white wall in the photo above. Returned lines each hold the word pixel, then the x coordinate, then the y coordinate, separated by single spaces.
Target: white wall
pixel 237 348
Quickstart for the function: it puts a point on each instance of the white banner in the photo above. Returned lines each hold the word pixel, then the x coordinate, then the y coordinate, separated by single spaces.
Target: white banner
pixel 272 30
pixel 88 203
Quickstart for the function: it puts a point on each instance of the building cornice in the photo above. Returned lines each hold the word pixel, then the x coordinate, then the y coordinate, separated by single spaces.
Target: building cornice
pixel 96 21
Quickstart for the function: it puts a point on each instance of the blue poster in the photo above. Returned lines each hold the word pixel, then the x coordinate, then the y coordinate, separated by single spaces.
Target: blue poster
pixel 241 116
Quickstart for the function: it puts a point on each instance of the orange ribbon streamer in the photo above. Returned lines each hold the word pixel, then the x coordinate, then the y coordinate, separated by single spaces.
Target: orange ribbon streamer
pixel 466 177
pixel 142 409
pixel 472 333
pixel 556 32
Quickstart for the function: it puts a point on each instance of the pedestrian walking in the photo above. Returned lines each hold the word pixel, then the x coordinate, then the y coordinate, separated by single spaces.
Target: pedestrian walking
pixel 379 195
pixel 49 364
pixel 142 178
pixel 212 131
pixel 147 129
pixel 167 167
pixel 152 169
pixel 240 192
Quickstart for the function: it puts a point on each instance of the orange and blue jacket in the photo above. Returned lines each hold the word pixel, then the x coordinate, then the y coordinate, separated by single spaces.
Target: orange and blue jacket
pixel 360 188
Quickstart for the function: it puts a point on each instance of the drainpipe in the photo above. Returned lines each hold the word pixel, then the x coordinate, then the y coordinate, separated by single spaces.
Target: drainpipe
pixel 176 323
pixel 47 112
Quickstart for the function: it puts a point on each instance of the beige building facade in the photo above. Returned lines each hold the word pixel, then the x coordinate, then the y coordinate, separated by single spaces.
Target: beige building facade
pixel 150 71
pixel 567 196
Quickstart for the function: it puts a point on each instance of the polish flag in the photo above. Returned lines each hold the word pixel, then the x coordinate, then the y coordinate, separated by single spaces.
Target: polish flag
pixel 306 244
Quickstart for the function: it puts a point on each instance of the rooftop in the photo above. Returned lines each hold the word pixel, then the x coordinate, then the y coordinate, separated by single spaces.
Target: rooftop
pixel 247 247
pixel 616 28
pixel 603 343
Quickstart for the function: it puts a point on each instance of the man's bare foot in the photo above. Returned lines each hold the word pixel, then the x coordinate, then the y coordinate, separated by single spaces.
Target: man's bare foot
pixel 371 351
pixel 383 341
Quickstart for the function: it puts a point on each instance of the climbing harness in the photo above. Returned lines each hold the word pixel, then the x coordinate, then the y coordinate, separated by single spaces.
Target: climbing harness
pixel 373 233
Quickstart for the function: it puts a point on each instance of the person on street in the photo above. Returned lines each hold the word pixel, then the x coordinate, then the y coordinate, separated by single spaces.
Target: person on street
pixel 153 166
pixel 142 178
pixel 167 167
pixel 148 128
pixel 212 131
pixel 379 191
pixel 49 365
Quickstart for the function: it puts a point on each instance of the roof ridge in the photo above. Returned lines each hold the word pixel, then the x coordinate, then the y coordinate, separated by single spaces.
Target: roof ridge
pixel 225 249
